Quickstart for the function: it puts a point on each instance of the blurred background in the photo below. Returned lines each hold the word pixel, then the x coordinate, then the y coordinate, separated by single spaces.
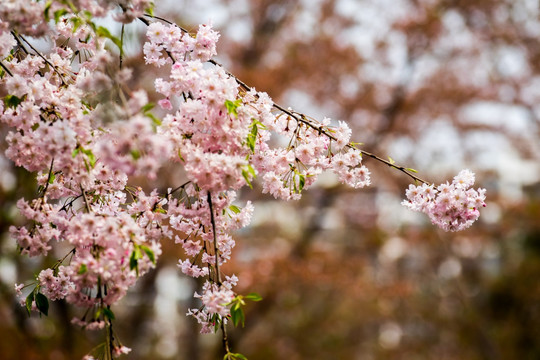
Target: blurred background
pixel 347 274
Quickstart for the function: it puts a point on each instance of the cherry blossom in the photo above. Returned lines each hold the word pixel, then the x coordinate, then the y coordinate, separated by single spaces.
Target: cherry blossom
pixel 452 207
pixel 86 135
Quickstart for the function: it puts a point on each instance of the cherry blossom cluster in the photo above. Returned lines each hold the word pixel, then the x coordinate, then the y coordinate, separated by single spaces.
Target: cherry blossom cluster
pixel 31 17
pixel 452 207
pixel 208 245
pixel 222 134
pixel 61 129
pixel 87 135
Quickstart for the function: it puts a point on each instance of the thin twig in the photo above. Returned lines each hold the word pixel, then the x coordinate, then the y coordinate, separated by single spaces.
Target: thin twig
pixel 69 203
pixel 216 250
pixel 43 57
pixel 122 46
pixel 59 262
pixel 85 199
pixel 49 177
pixel 5 68
pixel 225 339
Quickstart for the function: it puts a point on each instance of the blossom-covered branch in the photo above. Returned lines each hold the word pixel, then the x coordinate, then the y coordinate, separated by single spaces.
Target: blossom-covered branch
pixel 76 123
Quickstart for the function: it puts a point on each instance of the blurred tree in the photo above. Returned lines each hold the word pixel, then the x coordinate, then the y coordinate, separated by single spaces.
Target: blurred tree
pixel 437 85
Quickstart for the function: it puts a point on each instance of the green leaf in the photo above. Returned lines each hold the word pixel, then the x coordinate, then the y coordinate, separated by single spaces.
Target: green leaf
pixel 90 155
pixel 108 313
pixel 155 120
pixel 77 22
pixel 245 174
pixel 216 320
pixel 148 107
pixel 253 297
pixel 235 209
pixel 392 161
pixel 42 303
pixel 232 106
pixel 301 181
pixel 13 101
pixel 149 252
pixel 46 10
pixel 59 13
pixel 104 32
pixel 83 269
pixel 75 152
pixel 251 170
pixel 252 137
pixel 29 301
pixel 135 154
pixel 237 315
pixel 234 356
pixel 412 170
pixel 134 260
pixel 51 178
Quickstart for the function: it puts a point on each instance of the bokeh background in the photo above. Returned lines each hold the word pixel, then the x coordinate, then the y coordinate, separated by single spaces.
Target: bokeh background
pixel 347 274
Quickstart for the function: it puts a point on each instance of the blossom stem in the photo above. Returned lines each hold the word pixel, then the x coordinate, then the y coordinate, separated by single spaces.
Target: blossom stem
pixel 225 339
pixel 121 57
pixel 85 199
pixel 49 177
pixel 5 68
pixel 216 250
pixel 39 54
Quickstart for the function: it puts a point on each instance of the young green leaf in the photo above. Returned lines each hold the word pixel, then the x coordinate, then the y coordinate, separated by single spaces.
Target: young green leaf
pixel 235 209
pixel 155 120
pixel 90 155
pixel 253 297
pixel 232 106
pixel 104 32
pixel 237 315
pixel 42 303
pixel 13 101
pixel 58 14
pixel 147 107
pixel 108 313
pixel 150 253
pixel 234 356
pixel 29 300
pixel 82 269
pixel 134 259
pixel 245 174
pixel 135 154
pixel 301 182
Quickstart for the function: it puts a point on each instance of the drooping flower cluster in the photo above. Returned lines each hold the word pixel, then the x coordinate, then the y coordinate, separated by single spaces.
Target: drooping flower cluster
pixel 452 207
pixel 80 127
pixel 216 300
pixel 222 134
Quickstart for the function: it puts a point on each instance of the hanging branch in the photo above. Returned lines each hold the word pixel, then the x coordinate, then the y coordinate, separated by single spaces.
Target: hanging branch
pixel 225 339
pixel 298 117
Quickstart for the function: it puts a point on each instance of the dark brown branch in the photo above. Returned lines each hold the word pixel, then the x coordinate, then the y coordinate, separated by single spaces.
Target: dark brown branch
pixel 5 68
